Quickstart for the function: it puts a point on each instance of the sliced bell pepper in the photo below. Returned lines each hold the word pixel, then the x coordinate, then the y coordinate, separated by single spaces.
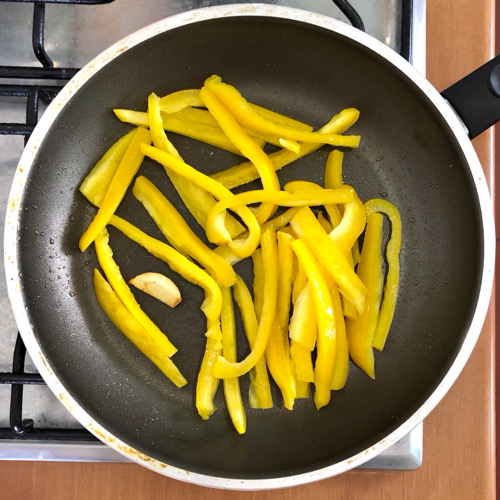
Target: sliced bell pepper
pixel 302 362
pixel 215 220
pixel 392 281
pixel 330 256
pixel 326 343
pixel 160 139
pixel 179 100
pixel 303 323
pixel 248 148
pixel 207 384
pixel 211 306
pixel 122 290
pixel 360 331
pixel 277 351
pixel 341 365
pixel 97 182
pixel 224 368
pixel 179 234
pixel 134 331
pixel 217 233
pixel 246 116
pixel 231 386
pixel 246 172
pixel 259 392
pixel 124 174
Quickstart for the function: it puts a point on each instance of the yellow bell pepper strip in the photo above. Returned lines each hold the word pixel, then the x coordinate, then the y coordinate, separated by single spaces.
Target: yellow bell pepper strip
pixel 124 174
pixel 303 323
pixel 326 343
pixel 220 233
pixel 277 223
pixel 333 180
pixel 258 282
pixel 302 362
pixel 202 132
pixel 231 386
pixel 184 99
pixel 160 139
pixel 299 283
pixel 180 264
pixel 248 148
pixel 277 351
pixel 179 234
pixel 360 331
pixel 97 182
pixel 247 117
pixel 122 290
pixel 341 365
pixel 176 101
pixel 207 384
pixel 246 172
pixel 217 233
pixel 392 281
pixel 333 169
pixel 330 255
pixel 259 392
pixel 224 368
pixel 134 331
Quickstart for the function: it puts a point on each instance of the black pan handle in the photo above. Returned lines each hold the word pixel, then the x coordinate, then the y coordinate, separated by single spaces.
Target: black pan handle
pixel 476 97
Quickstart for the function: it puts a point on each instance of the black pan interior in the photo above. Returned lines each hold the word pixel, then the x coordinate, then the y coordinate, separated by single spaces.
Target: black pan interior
pixel 407 155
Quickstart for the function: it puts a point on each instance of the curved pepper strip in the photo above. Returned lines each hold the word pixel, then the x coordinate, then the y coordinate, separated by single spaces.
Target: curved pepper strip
pixel 246 172
pixel 122 290
pixel 219 233
pixel 212 304
pixel 178 233
pixel 160 139
pixel 231 386
pixel 134 331
pixel 129 165
pixel 215 220
pixel 333 179
pixel 176 101
pixel 392 281
pixel 331 257
pixel 248 148
pixel 277 223
pixel 259 392
pixel 277 351
pixel 207 384
pixel 326 343
pixel 246 116
pixel 224 368
pixel 360 331
pixel 97 182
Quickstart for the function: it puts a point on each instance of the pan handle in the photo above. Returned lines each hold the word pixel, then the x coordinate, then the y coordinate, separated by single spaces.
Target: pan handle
pixel 476 97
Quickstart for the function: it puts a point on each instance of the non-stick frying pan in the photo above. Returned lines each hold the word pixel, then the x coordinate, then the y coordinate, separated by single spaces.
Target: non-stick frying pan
pixel 414 152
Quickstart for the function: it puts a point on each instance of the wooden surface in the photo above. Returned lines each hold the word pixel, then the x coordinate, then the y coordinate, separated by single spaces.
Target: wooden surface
pixel 459 451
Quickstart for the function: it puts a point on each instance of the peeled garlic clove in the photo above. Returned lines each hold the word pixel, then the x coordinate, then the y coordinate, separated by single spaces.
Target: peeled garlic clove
pixel 158 286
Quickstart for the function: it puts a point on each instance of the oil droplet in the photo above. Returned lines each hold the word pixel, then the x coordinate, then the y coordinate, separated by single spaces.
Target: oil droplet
pixel 412 219
pixel 51 241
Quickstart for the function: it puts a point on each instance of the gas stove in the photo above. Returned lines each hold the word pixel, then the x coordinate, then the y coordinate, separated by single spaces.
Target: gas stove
pixel 42 45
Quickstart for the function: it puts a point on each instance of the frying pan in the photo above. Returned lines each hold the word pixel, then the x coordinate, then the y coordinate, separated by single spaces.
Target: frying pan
pixel 414 151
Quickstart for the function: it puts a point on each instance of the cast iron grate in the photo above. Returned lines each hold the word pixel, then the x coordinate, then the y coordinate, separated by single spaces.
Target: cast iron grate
pixel 36 92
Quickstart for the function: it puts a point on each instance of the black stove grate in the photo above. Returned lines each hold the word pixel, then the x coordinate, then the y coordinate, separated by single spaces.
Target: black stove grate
pixel 35 92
